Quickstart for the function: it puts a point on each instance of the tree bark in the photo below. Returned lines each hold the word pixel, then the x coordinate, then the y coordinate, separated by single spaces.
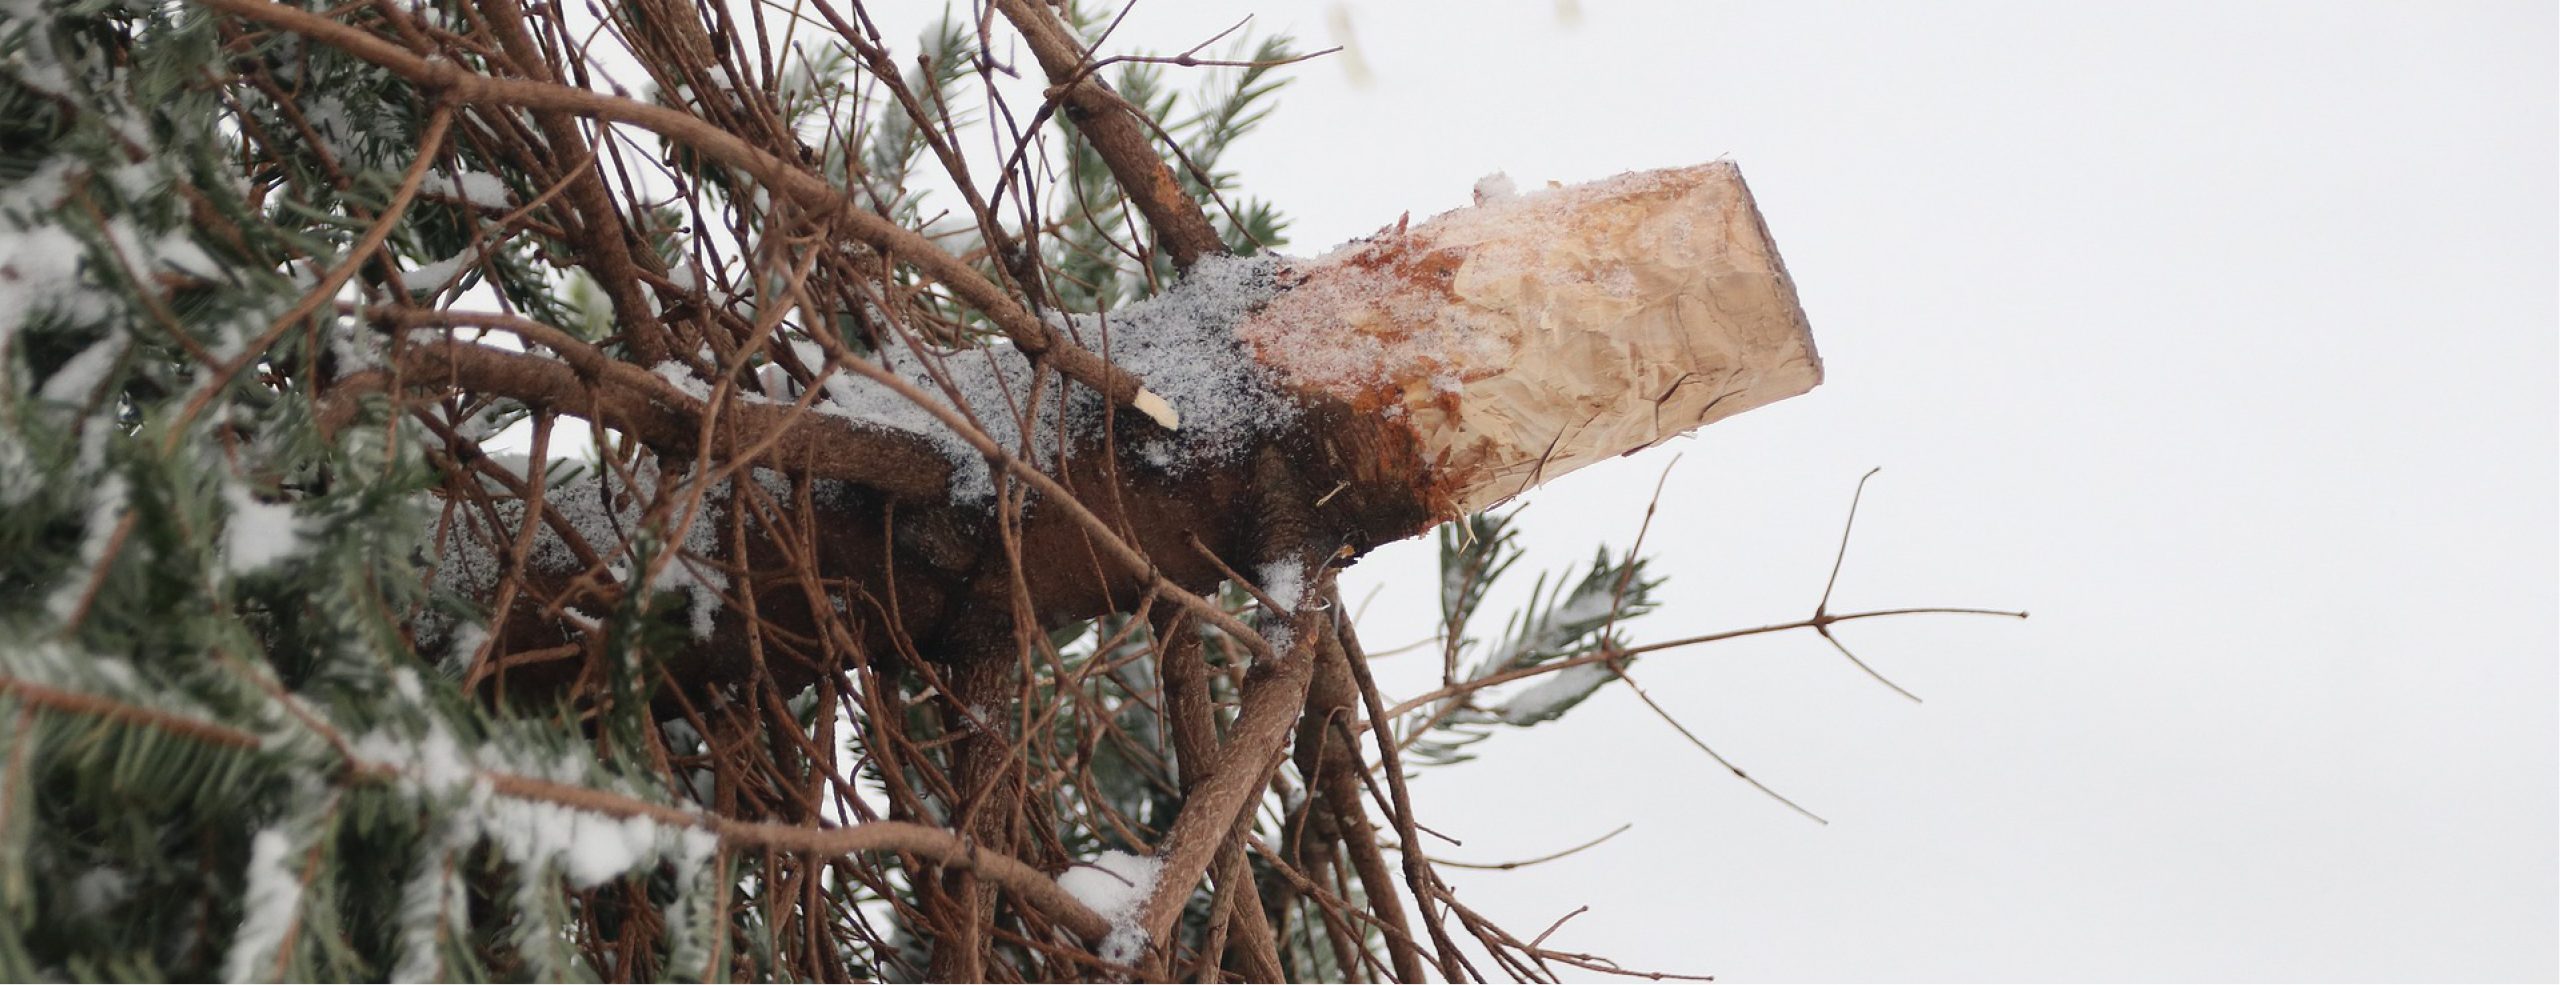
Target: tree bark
pixel 1439 369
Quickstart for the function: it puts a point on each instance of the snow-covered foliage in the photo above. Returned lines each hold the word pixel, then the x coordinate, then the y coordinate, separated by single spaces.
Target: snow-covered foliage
pixel 226 758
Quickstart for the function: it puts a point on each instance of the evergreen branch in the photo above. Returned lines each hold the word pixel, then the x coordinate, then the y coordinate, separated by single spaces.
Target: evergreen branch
pixel 1425 700
pixel 320 294
pixel 1033 337
pixel 109 708
pixel 1035 887
pixel 1111 124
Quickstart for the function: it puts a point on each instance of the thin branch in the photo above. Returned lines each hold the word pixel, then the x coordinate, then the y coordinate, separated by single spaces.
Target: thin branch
pixel 1526 862
pixel 1030 335
pixel 1823 607
pixel 1111 126
pixel 429 145
pixel 1410 705
pixel 1618 667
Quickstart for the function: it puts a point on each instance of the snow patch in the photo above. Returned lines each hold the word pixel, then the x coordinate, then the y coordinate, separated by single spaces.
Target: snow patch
pixel 1115 887
pixel 479 188
pixel 702 586
pixel 274 896
pixel 682 379
pixel 100 889
pixel 78 379
pixel 1181 342
pixel 432 901
pixel 1285 581
pixel 604 510
pixel 259 534
pixel 434 276
pixel 106 510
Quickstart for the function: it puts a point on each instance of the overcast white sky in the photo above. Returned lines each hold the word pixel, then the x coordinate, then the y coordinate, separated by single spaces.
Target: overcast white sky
pixel 2219 336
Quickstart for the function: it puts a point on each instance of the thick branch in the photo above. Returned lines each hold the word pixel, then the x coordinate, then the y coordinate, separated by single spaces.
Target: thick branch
pixel 1108 122
pixel 1329 758
pixel 599 228
pixel 1187 705
pixel 779 436
pixel 1274 692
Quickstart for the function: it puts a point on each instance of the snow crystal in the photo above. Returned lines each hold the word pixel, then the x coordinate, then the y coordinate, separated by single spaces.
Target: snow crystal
pixel 701 585
pixel 588 848
pixel 78 379
pixel 1284 580
pixel 1124 945
pixel 274 896
pixel 776 485
pixel 463 643
pixel 106 509
pixel 1115 887
pixel 434 276
pixel 259 534
pixel 431 763
pixel 1180 342
pixel 479 188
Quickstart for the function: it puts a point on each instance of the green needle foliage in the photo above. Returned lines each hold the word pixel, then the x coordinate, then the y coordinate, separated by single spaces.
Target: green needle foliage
pixel 245 727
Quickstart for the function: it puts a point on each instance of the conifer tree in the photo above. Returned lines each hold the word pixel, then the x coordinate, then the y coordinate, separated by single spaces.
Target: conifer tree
pixel 653 490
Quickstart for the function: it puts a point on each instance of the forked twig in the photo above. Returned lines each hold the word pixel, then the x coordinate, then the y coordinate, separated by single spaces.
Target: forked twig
pixel 1822 609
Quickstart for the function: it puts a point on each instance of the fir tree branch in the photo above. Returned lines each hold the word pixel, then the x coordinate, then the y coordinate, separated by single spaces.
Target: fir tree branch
pixel 599 231
pixel 1032 885
pixel 1033 337
pixel 1410 705
pixel 1108 122
pixel 109 708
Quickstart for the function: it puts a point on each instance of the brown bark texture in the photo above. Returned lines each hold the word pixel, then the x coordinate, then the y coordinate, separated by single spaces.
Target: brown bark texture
pixel 852 458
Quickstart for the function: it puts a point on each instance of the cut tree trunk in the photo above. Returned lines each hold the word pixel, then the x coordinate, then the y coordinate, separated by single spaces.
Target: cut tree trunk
pixel 1420 374
pixel 1535 334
